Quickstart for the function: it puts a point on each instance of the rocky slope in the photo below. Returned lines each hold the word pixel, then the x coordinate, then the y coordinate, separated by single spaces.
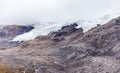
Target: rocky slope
pixel 8 32
pixel 14 30
pixel 68 50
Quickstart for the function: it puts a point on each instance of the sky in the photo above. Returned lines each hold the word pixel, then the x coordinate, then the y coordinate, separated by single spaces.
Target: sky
pixel 61 11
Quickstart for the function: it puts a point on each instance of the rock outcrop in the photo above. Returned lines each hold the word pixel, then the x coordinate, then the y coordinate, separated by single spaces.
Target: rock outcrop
pixel 14 30
pixel 65 31
pixel 8 32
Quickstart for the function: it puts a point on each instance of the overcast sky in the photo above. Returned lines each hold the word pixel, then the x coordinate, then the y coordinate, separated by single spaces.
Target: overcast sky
pixel 30 11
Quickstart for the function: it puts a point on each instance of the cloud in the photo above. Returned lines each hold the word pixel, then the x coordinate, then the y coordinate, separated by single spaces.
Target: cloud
pixel 30 11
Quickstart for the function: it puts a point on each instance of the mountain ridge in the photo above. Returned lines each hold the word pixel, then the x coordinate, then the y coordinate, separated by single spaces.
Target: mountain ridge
pixel 43 28
pixel 68 50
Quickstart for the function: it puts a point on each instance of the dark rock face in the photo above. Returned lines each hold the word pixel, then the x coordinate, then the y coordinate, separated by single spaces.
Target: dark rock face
pixel 65 31
pixel 14 30
pixel 117 21
pixel 8 32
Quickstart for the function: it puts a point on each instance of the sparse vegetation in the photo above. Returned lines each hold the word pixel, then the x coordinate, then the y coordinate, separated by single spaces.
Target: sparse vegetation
pixel 4 68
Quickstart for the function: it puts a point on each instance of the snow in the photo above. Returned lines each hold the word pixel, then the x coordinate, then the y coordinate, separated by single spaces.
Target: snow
pixel 40 29
pixel 90 23
pixel 43 28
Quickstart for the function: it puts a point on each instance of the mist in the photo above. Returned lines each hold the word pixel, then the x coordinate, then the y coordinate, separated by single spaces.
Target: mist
pixel 61 11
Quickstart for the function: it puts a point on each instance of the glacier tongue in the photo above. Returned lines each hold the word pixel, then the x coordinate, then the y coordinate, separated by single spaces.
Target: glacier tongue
pixel 44 28
pixel 39 29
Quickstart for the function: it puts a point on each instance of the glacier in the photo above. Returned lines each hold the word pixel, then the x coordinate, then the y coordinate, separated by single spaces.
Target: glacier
pixel 43 28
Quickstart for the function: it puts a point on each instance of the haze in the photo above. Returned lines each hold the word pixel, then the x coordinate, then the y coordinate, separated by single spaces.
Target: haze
pixel 61 11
